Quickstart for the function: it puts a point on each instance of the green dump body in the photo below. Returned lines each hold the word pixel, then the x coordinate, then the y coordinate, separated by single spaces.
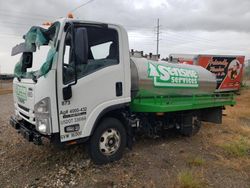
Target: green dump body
pixel 180 102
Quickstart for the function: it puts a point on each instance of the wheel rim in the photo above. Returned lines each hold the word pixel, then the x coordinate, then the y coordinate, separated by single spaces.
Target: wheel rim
pixel 109 142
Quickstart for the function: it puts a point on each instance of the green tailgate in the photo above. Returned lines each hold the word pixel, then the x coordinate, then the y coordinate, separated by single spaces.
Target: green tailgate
pixel 179 103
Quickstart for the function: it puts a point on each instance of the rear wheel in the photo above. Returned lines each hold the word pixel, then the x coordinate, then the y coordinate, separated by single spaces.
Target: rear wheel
pixel 108 141
pixel 191 126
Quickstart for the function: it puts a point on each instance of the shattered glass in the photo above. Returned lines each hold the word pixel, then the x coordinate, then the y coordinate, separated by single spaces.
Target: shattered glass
pixel 45 68
pixel 35 36
pixel 39 36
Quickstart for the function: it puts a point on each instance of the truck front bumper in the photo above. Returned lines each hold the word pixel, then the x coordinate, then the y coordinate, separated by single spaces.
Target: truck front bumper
pixel 26 130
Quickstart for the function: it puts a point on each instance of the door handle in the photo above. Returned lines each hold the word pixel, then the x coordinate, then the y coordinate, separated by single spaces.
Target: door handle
pixel 118 88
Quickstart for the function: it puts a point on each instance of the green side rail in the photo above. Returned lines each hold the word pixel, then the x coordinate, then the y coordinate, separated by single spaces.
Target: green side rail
pixel 180 102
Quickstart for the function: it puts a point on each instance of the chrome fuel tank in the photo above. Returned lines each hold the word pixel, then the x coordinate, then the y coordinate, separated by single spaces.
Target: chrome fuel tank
pixel 152 78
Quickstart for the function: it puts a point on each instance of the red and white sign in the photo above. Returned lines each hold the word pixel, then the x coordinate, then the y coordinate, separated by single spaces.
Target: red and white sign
pixel 228 70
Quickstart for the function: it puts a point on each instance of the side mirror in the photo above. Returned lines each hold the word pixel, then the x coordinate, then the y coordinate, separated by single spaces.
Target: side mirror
pixel 27 59
pixel 67 92
pixel 21 48
pixel 81 45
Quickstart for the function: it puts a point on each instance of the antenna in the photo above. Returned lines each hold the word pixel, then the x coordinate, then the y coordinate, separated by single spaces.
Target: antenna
pixel 73 10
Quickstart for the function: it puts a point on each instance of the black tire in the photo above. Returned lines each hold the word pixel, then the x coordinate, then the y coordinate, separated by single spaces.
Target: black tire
pixel 192 129
pixel 98 154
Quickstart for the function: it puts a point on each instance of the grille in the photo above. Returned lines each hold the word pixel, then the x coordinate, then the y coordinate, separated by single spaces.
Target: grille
pixel 27 117
pixel 23 108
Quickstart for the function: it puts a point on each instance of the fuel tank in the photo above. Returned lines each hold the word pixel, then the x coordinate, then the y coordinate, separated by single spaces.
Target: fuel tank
pixel 161 78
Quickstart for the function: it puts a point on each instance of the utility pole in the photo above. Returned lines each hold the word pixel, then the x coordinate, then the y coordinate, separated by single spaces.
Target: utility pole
pixel 1 82
pixel 157 36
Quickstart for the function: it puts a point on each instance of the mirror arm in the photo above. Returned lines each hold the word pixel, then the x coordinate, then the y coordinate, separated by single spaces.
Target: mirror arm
pixel 34 78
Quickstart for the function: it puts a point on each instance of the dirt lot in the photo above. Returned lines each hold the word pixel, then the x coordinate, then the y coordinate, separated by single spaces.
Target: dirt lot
pixel 218 156
pixel 5 86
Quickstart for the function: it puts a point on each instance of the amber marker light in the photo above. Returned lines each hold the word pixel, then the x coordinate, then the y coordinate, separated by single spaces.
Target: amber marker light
pixel 47 23
pixel 70 15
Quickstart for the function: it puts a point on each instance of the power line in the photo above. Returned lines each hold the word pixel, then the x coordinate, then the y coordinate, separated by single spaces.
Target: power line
pixel 141 36
pixel 15 23
pixel 4 11
pixel 22 16
pixel 3 35
pixel 181 38
pixel 188 37
pixel 73 10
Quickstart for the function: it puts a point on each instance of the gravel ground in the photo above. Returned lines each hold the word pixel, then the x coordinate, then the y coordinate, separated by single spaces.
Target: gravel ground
pixel 151 163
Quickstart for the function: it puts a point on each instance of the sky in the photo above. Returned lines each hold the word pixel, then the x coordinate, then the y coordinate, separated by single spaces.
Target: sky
pixel 186 26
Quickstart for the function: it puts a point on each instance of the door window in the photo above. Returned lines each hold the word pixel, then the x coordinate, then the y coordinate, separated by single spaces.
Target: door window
pixel 103 52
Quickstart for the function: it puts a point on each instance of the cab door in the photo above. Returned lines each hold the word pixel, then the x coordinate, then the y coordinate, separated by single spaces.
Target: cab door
pixel 100 81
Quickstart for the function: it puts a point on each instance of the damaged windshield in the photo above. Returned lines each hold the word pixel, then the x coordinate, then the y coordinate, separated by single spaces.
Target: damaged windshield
pixel 38 52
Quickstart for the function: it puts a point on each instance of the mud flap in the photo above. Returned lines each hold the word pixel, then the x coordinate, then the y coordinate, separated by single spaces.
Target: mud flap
pixel 191 124
pixel 213 115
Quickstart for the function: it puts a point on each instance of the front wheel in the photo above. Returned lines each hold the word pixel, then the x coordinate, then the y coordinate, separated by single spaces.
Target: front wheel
pixel 108 141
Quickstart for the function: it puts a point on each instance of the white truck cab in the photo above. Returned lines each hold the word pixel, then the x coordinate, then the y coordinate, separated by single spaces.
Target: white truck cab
pixel 66 102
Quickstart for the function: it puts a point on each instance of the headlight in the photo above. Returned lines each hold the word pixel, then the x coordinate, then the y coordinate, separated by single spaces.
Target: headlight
pixel 43 106
pixel 42 127
pixel 42 115
pixel 43 124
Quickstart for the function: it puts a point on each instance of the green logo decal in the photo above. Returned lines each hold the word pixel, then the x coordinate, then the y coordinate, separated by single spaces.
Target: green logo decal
pixel 21 93
pixel 165 76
